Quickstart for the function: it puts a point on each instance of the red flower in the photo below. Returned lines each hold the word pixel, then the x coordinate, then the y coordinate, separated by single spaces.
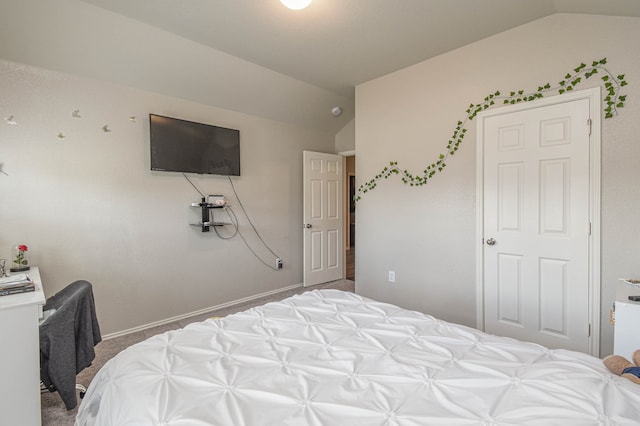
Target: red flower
pixel 22 247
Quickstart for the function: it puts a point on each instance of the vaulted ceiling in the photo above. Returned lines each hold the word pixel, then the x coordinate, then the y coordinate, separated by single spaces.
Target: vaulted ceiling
pixel 338 44
pixel 256 56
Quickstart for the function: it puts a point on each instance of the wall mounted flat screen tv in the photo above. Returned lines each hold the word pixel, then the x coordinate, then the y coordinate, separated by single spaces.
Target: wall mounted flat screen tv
pixel 185 146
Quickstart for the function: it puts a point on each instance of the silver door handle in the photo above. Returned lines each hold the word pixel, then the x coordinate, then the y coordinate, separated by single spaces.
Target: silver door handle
pixel 306 226
pixel 491 242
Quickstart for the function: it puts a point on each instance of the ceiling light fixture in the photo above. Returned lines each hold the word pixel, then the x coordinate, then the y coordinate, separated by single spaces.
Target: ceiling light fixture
pixel 296 4
pixel 336 111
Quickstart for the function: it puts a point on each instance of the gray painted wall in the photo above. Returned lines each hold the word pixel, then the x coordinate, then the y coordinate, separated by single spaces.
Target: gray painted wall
pixel 89 208
pixel 427 234
pixel 346 138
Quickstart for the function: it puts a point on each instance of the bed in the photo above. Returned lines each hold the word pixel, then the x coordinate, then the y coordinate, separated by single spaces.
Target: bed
pixel 328 357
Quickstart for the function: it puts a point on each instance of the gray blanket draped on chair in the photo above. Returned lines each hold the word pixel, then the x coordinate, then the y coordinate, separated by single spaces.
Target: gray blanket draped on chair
pixel 67 339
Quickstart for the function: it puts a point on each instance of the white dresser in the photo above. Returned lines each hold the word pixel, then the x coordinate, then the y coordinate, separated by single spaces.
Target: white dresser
pixel 626 339
pixel 20 355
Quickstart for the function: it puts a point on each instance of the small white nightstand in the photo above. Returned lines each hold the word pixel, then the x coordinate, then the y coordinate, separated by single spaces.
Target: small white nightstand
pixel 20 355
pixel 626 337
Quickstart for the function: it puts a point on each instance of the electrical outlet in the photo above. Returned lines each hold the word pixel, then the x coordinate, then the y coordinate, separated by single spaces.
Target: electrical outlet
pixel 279 263
pixel 392 276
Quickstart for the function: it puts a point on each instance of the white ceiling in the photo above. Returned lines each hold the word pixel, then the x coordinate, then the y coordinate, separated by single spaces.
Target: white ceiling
pixel 338 44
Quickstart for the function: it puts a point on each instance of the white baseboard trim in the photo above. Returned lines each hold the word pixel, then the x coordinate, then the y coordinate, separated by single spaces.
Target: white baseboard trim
pixel 199 312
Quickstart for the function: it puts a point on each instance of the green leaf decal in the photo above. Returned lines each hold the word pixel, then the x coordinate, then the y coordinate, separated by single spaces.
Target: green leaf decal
pixel 611 103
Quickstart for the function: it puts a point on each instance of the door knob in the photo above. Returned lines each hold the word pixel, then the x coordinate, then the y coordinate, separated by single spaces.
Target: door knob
pixel 491 242
pixel 307 226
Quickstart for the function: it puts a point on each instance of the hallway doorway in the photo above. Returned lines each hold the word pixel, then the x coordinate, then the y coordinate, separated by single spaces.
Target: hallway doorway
pixel 350 222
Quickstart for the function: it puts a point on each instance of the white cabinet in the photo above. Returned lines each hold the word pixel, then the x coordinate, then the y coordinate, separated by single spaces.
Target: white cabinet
pixel 627 329
pixel 20 355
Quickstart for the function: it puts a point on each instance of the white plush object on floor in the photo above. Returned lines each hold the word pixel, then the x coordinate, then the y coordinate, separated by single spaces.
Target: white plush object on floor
pixel 329 357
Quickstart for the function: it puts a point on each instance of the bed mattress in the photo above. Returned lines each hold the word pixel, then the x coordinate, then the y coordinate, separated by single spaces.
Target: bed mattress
pixel 328 357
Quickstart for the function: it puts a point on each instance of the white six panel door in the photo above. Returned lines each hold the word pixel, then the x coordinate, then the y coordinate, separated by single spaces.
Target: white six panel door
pixel 536 225
pixel 323 233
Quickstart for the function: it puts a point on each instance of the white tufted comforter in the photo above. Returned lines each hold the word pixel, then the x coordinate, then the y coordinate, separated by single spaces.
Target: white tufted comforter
pixel 328 357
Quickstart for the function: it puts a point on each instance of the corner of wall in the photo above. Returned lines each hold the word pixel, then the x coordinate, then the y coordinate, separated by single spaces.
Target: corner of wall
pixel 345 139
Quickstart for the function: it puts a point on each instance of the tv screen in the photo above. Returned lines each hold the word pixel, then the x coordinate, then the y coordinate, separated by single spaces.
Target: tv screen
pixel 188 147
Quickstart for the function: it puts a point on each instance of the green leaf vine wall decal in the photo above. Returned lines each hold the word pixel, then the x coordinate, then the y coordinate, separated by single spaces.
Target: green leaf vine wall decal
pixel 611 103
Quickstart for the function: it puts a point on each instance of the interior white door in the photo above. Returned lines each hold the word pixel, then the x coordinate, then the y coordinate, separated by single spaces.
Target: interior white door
pixel 537 225
pixel 323 217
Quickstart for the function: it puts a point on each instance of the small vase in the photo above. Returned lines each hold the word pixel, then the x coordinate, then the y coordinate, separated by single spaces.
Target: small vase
pixel 19 258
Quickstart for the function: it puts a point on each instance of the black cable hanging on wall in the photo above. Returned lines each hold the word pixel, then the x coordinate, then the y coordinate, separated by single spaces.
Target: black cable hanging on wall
pixel 209 221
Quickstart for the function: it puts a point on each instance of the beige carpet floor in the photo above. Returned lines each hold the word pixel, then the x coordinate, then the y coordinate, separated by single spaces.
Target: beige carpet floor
pixel 54 412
